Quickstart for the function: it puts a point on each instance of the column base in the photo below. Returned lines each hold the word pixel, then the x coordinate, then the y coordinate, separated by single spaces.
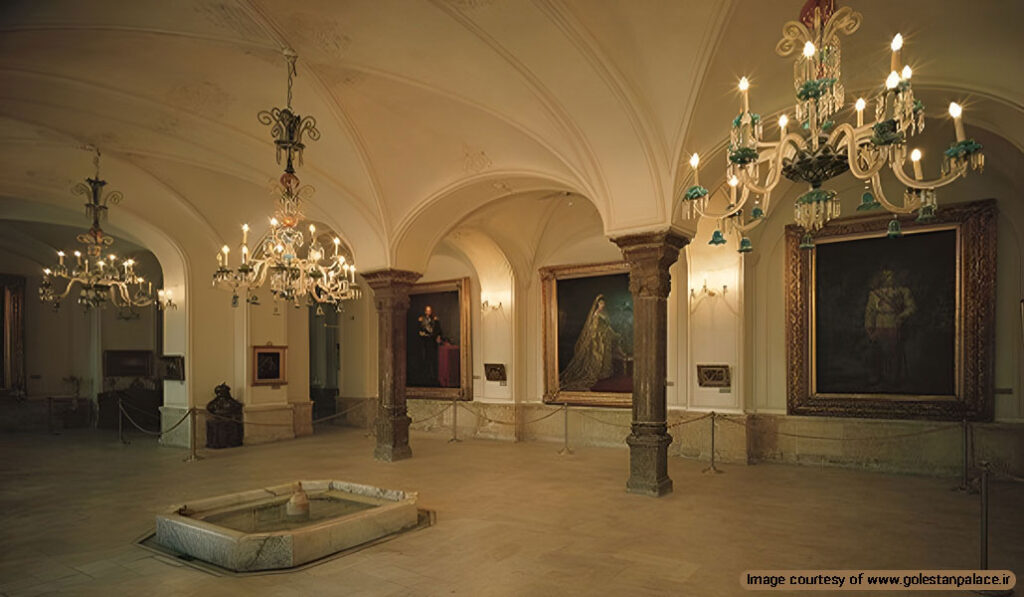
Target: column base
pixel 648 462
pixel 392 436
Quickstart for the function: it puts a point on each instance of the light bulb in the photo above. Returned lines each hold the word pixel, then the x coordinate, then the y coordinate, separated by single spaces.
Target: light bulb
pixel 130 262
pixel 113 257
pixel 809 49
pixel 783 121
pixel 694 161
pixel 906 74
pixel 312 229
pixel 915 156
pixel 279 248
pixel 955 110
pixel 892 80
pixel 273 221
pixel 860 105
pixel 337 241
pixel 225 249
pixel 245 228
pixel 46 271
pixel 78 253
pixel 897 42
pixel 733 181
pixel 245 249
pixel 744 84
pixel 60 253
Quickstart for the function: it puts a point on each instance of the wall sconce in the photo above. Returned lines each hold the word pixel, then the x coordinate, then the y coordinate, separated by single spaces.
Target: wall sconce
pixel 705 291
pixel 486 306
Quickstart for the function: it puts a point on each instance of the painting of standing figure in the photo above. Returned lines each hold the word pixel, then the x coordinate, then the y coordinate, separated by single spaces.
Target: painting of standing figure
pixel 588 334
pixel 893 325
pixel 437 354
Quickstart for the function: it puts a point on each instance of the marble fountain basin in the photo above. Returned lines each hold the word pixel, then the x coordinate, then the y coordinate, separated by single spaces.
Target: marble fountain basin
pixel 253 530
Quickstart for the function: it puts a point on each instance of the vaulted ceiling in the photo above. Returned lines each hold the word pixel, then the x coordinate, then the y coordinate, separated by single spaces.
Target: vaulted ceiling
pixel 430 109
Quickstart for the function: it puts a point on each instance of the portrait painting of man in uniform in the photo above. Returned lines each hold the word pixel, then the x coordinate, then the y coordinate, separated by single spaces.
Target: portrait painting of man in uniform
pixel 437 350
pixel 885 320
pixel 893 321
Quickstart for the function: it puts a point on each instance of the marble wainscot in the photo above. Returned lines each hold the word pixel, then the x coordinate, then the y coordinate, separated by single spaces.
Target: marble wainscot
pixel 285 525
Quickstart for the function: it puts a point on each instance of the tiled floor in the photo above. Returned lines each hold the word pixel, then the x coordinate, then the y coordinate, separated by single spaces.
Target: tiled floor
pixel 512 519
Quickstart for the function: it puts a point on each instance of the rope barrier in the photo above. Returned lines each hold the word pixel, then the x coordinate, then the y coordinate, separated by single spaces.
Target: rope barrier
pixel 157 433
pixel 435 415
pixel 693 420
pixel 609 423
pixel 498 422
pixel 843 439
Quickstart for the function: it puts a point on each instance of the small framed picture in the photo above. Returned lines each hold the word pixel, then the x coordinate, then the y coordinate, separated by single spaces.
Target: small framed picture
pixel 713 376
pixel 495 372
pixel 269 366
pixel 172 367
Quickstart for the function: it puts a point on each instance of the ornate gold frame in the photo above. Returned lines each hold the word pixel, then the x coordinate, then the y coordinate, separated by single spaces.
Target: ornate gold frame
pixel 549 300
pixel 465 389
pixel 281 351
pixel 975 326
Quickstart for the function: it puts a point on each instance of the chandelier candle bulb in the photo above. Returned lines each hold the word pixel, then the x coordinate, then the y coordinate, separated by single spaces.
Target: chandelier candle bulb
pixel 245 234
pixel 694 163
pixel 896 45
pixel 744 86
pixel 915 158
pixel 245 254
pixel 783 121
pixel 860 105
pixel 60 258
pixel 956 112
pixel 906 73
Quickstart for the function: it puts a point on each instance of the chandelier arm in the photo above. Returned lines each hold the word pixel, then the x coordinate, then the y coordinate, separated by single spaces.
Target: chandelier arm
pixel 897 169
pixel 774 165
pixel 745 194
pixel 876 184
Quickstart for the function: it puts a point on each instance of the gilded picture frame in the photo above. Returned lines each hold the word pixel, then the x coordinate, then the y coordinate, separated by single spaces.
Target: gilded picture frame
pixel 453 300
pixel 550 278
pixel 965 380
pixel 269 365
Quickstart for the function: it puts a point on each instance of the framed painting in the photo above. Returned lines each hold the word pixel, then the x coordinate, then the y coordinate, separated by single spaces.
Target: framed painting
pixel 713 376
pixel 588 334
pixel 172 367
pixel 127 363
pixel 894 327
pixel 269 365
pixel 438 348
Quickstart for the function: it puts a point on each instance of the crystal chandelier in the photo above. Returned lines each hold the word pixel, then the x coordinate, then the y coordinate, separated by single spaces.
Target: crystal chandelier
pixel 298 270
pixel 820 148
pixel 100 279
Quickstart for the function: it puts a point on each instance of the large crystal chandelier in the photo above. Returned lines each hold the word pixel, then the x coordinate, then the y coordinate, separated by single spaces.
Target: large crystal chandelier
pixel 298 270
pixel 820 149
pixel 101 279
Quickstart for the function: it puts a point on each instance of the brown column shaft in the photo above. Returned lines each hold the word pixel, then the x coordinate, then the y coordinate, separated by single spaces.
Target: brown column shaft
pixel 391 296
pixel 649 257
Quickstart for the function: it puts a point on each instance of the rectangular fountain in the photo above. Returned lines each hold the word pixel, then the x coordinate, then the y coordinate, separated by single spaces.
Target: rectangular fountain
pixel 286 525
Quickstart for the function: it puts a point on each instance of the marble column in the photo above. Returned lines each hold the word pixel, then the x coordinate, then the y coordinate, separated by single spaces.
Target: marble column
pixel 649 256
pixel 391 295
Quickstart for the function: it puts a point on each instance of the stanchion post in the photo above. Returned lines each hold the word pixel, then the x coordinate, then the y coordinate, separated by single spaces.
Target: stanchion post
pixel 965 481
pixel 455 422
pixel 712 468
pixel 192 455
pixel 566 450
pixel 120 422
pixel 983 482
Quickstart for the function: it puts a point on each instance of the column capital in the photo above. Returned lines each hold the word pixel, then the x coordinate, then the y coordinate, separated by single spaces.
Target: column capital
pixel 391 287
pixel 384 279
pixel 649 255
